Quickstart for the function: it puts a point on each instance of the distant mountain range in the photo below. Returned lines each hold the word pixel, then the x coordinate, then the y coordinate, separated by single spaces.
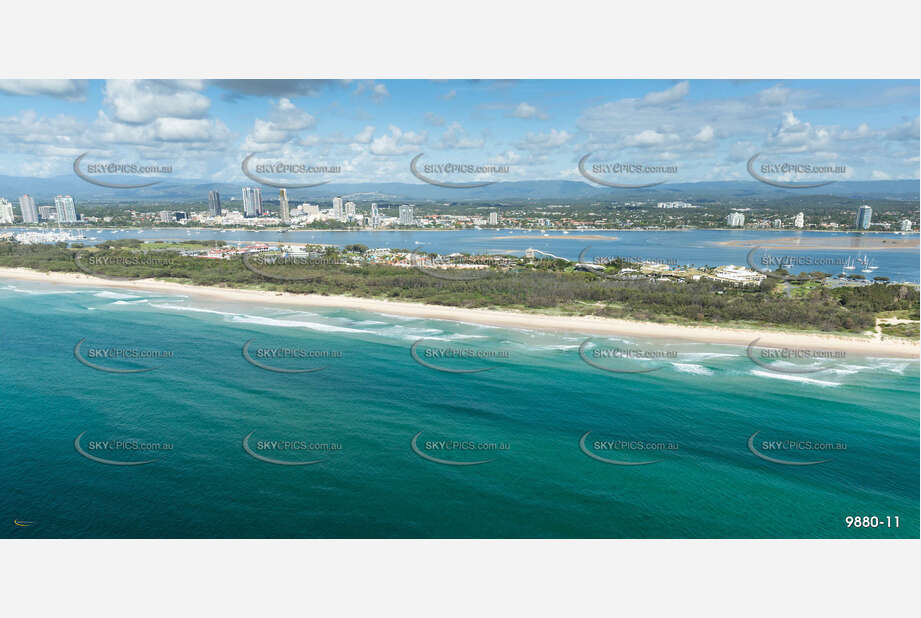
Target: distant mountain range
pixel 185 190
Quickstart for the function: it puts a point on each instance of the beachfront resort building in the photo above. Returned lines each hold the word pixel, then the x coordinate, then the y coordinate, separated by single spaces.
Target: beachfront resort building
pixel 799 221
pixel 905 225
pixel 494 218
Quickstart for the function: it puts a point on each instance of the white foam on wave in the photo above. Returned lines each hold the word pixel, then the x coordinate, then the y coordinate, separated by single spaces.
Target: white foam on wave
pixel 13 288
pixel 317 326
pixel 793 378
pixel 699 370
pixel 243 318
pixel 705 355
pixel 107 294
pixel 194 309
pixel 129 302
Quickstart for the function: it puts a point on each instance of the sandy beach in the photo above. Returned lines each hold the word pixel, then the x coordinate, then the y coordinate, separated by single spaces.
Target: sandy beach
pixel 840 243
pixel 861 346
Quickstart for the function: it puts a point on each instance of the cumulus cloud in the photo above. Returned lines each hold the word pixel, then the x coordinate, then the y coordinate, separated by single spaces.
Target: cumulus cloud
pixel 544 141
pixel 68 89
pixel 365 136
pixel 285 121
pixel 526 110
pixel 455 137
pixel 379 92
pixel 774 96
pixel 792 134
pixel 650 137
pixel 142 101
pixel 670 95
pixel 905 131
pixel 704 135
pixel 397 142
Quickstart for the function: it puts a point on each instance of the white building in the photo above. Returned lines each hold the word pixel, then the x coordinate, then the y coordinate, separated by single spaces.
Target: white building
pixel 338 211
pixel 28 209
pixel 375 216
pixel 349 211
pixel 65 210
pixel 735 219
pixel 799 221
pixel 406 214
pixel 252 201
pixel 905 225
pixel 6 211
pixel 777 223
pixel 494 218
pixel 675 205
pixel 738 274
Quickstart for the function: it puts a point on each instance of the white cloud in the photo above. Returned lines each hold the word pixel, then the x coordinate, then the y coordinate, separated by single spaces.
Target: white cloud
pixel 794 135
pixel 649 137
pixel 379 92
pixel 878 175
pixel 287 117
pixel 905 131
pixel 455 137
pixel 142 101
pixel 365 136
pixel 704 135
pixel 69 89
pixel 544 141
pixel 189 130
pixel 526 110
pixel 284 123
pixel 670 95
pixel 774 96
pixel 397 143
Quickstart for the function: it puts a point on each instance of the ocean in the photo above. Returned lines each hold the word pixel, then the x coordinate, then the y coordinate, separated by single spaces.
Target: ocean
pixel 544 424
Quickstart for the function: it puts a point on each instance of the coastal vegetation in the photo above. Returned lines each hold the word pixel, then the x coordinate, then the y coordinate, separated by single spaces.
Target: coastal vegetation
pixel 549 286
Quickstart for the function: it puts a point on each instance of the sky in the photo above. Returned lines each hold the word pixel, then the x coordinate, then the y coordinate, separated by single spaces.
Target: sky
pixel 540 129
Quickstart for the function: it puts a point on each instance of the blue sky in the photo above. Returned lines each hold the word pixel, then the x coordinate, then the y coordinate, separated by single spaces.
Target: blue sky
pixel 540 129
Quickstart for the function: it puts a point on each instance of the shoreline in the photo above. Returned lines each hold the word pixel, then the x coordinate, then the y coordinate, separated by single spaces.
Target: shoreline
pixel 40 228
pixel 502 318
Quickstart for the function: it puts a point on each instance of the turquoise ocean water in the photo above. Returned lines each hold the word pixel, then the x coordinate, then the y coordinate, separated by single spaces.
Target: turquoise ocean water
pixel 359 414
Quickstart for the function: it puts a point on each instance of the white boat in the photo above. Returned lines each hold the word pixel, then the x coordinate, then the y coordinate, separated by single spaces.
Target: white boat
pixel 849 265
